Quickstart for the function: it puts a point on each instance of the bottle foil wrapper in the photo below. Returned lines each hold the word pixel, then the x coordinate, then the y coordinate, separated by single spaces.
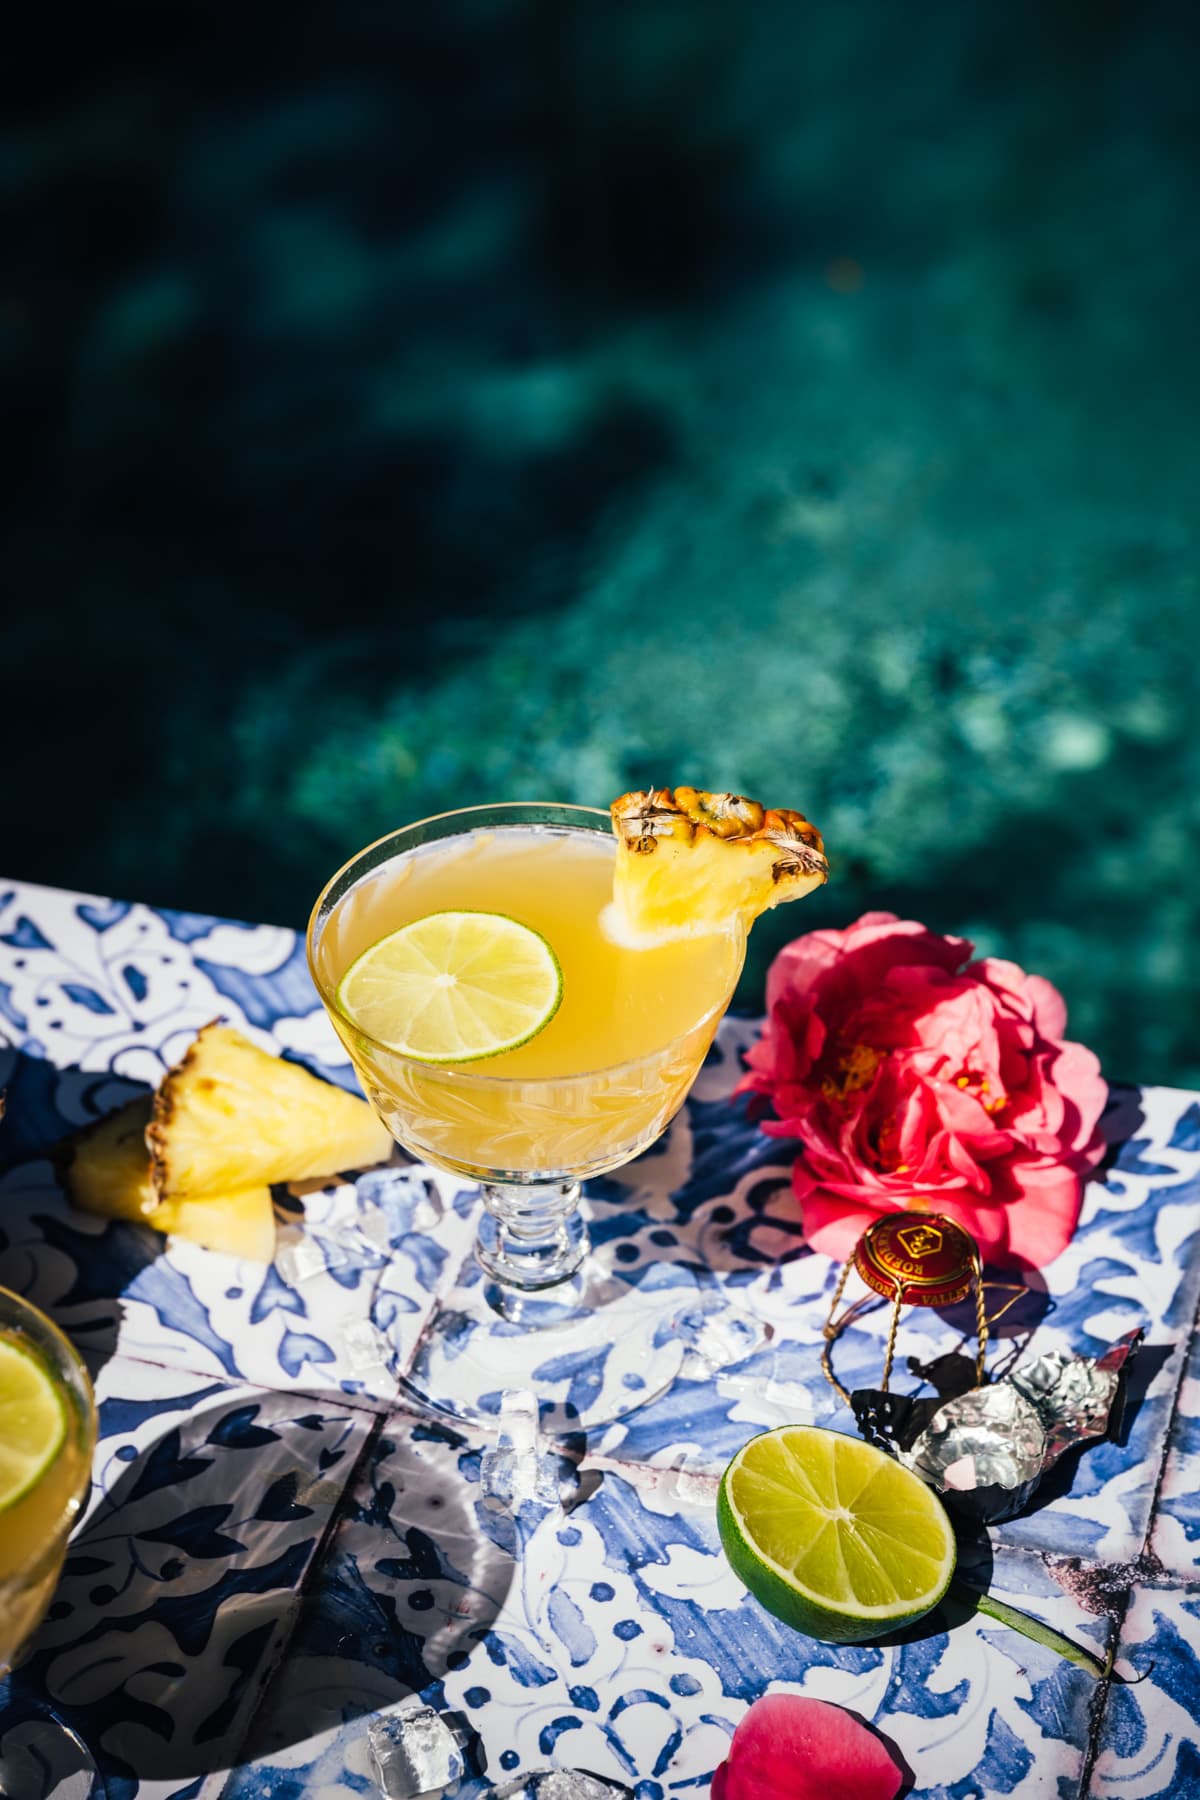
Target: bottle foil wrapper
pixel 985 1451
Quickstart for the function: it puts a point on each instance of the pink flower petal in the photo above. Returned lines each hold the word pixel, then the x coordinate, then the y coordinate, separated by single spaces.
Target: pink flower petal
pixel 791 1748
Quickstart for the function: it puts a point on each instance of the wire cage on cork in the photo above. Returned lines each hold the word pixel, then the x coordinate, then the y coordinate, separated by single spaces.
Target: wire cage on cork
pixel 911 1259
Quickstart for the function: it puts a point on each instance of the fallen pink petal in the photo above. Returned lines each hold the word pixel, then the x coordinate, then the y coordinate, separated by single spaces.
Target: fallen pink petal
pixel 791 1748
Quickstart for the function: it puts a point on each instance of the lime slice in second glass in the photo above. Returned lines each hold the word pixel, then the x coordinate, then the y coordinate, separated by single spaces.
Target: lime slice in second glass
pixel 831 1535
pixel 454 987
pixel 33 1421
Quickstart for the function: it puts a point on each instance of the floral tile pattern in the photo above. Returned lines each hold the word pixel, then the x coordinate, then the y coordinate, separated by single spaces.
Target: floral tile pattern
pixel 611 1636
pixel 264 1484
pixel 209 1504
pixel 1149 1747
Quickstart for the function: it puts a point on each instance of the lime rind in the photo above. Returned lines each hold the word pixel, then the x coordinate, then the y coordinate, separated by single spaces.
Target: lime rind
pixel 33 1421
pixel 469 1015
pixel 848 1604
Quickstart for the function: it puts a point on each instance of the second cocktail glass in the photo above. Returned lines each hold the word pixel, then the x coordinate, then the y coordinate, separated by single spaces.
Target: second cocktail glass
pixel 589 1092
pixel 50 1426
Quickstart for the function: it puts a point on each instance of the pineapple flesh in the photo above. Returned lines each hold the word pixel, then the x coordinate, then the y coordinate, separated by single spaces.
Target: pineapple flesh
pixel 232 1116
pixel 241 1224
pixel 107 1171
pixel 197 1158
pixel 690 862
pixel 109 1168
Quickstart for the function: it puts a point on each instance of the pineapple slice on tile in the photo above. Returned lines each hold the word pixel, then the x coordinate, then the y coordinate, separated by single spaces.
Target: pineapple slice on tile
pixel 238 1224
pixel 690 862
pixel 106 1168
pixel 231 1116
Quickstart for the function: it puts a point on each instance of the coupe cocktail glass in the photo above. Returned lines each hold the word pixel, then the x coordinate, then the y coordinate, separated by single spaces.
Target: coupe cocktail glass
pixel 595 1087
pixel 591 1090
pixel 35 1528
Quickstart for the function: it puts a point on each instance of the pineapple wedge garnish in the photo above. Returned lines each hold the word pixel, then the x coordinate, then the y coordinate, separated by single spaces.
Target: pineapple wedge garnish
pixel 690 862
pixel 197 1158
pixel 107 1171
pixel 232 1116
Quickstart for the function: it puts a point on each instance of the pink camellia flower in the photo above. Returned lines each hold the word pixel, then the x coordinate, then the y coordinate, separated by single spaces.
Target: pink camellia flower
pixel 790 1748
pixel 917 1079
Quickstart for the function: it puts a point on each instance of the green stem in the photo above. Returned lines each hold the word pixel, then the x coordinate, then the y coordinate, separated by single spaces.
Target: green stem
pixel 1036 1631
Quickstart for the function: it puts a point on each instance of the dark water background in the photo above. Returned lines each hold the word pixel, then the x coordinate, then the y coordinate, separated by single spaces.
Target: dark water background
pixel 413 404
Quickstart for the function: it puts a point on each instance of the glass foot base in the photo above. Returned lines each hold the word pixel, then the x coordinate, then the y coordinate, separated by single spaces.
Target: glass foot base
pixel 589 1349
pixel 41 1758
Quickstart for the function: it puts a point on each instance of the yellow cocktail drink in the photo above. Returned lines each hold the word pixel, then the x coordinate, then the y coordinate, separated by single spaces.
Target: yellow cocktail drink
pixel 47 1431
pixel 604 1077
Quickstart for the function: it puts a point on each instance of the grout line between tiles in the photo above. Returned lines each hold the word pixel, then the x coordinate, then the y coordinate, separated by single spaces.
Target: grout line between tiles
pixel 446 1286
pixel 1099 1709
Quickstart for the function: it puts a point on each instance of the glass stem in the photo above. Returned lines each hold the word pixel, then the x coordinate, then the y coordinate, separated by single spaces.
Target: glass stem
pixel 531 1235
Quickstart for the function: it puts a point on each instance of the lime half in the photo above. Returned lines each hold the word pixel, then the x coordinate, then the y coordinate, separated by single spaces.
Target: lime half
pixel 831 1535
pixel 33 1421
pixel 454 987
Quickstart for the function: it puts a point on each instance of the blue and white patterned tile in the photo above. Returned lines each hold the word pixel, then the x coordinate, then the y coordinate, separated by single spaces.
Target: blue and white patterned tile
pixel 1148 1743
pixel 302 1322
pixel 1176 1537
pixel 416 1576
pixel 613 1637
pixel 1133 1262
pixel 95 984
pixel 209 1505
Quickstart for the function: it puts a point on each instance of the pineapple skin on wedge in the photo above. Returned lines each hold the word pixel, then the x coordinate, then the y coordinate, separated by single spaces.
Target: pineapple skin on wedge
pixel 689 861
pixel 231 1116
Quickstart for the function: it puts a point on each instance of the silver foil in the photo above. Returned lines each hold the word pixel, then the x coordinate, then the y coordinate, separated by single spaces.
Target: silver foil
pixel 987 1450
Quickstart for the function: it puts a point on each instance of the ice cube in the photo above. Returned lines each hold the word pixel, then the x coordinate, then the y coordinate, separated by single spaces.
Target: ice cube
pixel 428 1208
pixel 513 1479
pixel 768 1400
pixel 399 1200
pixel 414 1752
pixel 298 1256
pixel 366 1347
pixel 518 1469
pixel 373 1226
pixel 559 1784
pixel 792 1400
pixel 572 1784
pixel 717 1336
pixel 692 1483
pixel 517 1424
pixel 378 1186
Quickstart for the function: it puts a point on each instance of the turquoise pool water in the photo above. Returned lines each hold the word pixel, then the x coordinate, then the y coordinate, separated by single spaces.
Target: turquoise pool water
pixel 542 400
